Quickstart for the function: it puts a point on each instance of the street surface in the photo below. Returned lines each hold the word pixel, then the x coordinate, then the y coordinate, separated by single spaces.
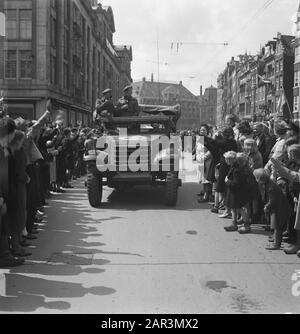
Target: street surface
pixel 134 255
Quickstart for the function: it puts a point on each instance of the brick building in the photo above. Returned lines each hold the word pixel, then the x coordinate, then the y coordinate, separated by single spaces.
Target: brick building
pixel 252 86
pixel 61 50
pixel 208 106
pixel 297 69
pixel 170 94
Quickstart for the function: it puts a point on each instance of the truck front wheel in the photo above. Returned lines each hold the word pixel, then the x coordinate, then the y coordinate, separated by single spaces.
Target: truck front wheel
pixel 94 188
pixel 171 188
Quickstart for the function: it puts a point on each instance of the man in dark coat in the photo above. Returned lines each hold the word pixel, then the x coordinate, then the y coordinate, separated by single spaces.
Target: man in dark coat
pixel 68 154
pixel 265 143
pixel 218 147
pixel 105 110
pixel 7 131
pixel 127 105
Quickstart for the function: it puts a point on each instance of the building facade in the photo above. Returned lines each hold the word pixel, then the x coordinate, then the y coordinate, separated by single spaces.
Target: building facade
pixel 296 92
pixel 257 87
pixel 60 50
pixel 208 106
pixel 170 94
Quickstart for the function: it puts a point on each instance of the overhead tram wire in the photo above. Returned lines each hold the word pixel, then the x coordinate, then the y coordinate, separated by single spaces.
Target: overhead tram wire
pixel 255 16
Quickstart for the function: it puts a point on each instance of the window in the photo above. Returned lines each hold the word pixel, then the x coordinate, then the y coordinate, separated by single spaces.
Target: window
pixel 53 4
pixel 277 83
pixel 67 11
pixel 25 23
pixel 53 31
pixel 25 64
pixel 11 24
pixel 296 103
pixel 53 69
pixel 281 82
pixel 66 44
pixel 66 76
pixel 99 68
pixel 281 65
pixel 296 83
pixel 277 66
pixel 11 64
pixel 297 54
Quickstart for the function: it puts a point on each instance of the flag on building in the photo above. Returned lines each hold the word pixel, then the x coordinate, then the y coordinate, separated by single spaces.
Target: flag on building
pixel 263 80
pixel 282 101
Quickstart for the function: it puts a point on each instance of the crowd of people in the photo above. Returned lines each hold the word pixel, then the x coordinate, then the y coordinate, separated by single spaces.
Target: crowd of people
pixel 251 175
pixel 38 159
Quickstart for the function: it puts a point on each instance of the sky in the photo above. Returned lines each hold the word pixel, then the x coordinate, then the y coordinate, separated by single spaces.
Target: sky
pixel 245 24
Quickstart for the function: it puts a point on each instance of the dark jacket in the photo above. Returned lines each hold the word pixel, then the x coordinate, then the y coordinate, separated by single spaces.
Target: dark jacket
pixel 218 147
pixel 278 204
pixel 238 188
pixel 105 105
pixel 3 174
pixel 265 146
pixel 127 106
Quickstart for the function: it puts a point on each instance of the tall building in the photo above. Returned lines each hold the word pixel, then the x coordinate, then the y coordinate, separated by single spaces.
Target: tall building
pixel 257 87
pixel 2 34
pixel 208 106
pixel 61 50
pixel 170 94
pixel 297 69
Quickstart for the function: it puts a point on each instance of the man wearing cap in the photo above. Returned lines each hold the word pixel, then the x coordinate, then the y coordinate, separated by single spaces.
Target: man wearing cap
pixel 105 108
pixel 293 129
pixel 127 105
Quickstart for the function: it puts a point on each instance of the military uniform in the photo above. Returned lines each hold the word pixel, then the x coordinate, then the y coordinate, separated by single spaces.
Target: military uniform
pixel 127 105
pixel 105 109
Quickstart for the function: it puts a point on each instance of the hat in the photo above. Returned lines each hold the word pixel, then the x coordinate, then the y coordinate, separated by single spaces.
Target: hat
pixel 127 88
pixel 228 133
pixel 261 175
pixel 106 91
pixel 7 127
pixel 281 127
pixel 21 123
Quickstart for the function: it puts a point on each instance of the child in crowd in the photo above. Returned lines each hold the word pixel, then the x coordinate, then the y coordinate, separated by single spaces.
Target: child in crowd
pixel 239 192
pixel 276 206
pixel 253 154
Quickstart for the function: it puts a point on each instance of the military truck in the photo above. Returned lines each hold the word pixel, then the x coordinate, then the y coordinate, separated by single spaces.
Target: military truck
pixel 109 155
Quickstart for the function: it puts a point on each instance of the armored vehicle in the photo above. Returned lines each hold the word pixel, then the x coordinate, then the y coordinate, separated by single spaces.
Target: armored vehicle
pixel 139 150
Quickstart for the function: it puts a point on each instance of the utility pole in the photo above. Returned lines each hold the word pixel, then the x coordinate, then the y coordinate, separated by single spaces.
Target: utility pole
pixel 158 67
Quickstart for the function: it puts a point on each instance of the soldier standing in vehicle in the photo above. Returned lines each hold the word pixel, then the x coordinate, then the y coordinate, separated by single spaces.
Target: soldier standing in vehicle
pixel 127 105
pixel 105 109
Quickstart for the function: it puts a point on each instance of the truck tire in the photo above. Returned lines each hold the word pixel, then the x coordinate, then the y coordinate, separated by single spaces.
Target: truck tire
pixel 171 189
pixel 94 188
